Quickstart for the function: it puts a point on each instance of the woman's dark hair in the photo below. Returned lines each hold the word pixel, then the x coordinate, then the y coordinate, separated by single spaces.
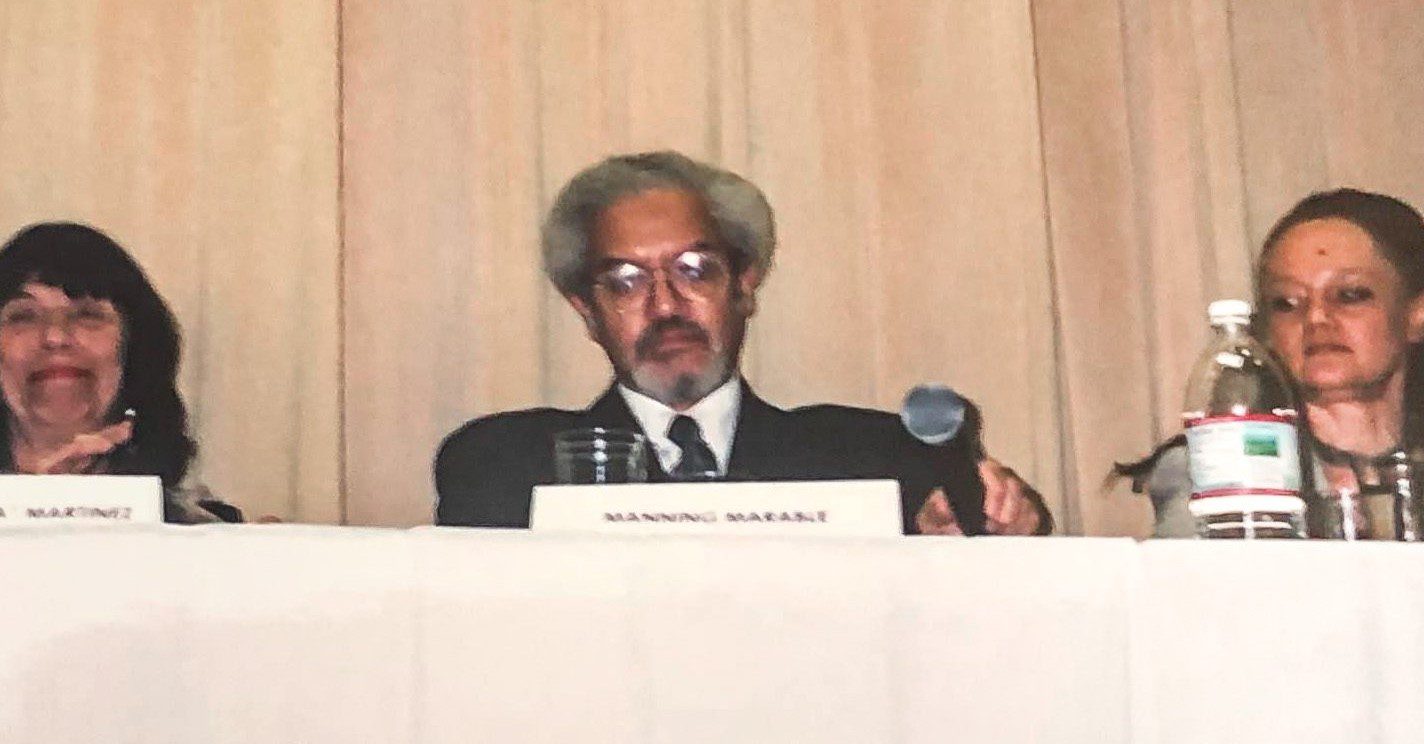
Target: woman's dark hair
pixel 85 262
pixel 1397 232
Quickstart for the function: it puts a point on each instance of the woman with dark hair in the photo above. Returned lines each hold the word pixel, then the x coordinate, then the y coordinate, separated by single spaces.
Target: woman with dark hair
pixel 89 366
pixel 1340 300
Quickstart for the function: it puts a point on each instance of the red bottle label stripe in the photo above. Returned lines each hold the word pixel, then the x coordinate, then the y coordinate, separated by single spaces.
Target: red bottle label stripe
pixel 1244 492
pixel 1267 417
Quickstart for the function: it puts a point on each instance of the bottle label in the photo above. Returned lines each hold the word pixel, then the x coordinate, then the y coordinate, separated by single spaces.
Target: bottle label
pixel 1252 455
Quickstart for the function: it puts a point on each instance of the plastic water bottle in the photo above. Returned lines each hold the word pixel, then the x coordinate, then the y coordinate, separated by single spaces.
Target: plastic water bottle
pixel 1242 439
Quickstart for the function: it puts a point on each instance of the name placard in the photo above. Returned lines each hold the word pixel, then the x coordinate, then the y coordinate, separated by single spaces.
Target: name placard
pixel 39 500
pixel 854 508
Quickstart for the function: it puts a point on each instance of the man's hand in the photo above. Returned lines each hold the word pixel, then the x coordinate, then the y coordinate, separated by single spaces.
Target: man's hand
pixel 1011 506
pixel 935 517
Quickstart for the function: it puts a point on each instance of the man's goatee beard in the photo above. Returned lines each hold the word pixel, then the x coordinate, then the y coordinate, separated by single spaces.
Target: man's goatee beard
pixel 685 389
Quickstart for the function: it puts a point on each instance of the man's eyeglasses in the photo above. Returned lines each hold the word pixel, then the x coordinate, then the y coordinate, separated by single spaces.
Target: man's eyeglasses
pixel 697 274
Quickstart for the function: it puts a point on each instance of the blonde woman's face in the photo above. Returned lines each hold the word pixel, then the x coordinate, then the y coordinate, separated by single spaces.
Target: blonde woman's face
pixel 1336 311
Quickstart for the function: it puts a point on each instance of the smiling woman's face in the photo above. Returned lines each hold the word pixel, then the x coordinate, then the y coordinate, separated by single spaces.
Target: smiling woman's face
pixel 61 360
pixel 1337 312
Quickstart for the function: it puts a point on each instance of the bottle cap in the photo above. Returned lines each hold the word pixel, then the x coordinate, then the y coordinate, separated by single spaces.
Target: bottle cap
pixel 1229 311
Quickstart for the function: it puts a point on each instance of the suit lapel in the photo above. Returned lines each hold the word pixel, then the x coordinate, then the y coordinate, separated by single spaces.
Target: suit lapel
pixel 755 444
pixel 610 411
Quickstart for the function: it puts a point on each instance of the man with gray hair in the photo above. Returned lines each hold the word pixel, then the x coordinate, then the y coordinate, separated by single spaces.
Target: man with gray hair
pixel 662 256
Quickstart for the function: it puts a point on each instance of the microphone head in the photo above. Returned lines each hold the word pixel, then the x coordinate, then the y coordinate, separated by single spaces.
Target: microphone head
pixel 933 413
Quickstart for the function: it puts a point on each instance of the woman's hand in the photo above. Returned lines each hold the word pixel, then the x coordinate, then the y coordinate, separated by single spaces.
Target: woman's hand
pixel 78 456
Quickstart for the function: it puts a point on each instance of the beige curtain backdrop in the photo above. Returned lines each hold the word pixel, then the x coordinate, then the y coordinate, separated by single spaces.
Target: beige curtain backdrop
pixel 1031 201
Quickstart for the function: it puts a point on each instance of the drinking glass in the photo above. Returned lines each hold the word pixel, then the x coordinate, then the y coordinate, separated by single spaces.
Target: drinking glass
pixel 1383 504
pixel 1341 513
pixel 600 455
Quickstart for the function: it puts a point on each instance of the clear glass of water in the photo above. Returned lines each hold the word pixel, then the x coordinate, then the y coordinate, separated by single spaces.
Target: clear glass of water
pixel 1383 502
pixel 1343 513
pixel 600 455
pixel 1367 512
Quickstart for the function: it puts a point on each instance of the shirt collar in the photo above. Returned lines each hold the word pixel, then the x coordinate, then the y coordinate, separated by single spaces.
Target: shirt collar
pixel 716 414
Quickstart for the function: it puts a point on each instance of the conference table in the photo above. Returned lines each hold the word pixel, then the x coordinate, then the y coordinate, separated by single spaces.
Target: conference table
pixel 286 633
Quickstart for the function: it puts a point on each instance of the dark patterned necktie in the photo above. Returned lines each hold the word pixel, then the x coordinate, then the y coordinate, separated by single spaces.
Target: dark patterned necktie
pixel 698 462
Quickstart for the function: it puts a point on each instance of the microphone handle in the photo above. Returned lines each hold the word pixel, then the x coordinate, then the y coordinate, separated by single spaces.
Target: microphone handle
pixel 965 490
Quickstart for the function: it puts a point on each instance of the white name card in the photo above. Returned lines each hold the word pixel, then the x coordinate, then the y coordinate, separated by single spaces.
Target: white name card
pixel 854 508
pixel 40 500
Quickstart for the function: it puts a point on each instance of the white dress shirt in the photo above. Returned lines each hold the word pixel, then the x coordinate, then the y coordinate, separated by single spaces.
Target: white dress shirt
pixel 716 414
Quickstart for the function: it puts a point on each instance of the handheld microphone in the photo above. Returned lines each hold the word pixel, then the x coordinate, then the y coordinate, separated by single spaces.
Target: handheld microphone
pixel 938 416
pixel 934 414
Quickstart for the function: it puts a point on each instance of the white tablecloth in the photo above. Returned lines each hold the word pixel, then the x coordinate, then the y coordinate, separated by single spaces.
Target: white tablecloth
pixel 304 634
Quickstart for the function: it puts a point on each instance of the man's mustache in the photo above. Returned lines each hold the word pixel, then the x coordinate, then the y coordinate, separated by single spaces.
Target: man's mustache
pixel 650 337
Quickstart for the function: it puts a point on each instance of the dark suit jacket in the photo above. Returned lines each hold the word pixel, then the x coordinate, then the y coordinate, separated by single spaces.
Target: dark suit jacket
pixel 485 470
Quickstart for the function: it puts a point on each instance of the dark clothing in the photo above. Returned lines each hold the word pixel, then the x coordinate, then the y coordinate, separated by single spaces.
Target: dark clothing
pixel 193 503
pixel 485 470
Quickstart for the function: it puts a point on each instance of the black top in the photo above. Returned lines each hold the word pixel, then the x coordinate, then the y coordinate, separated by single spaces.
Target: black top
pixel 486 469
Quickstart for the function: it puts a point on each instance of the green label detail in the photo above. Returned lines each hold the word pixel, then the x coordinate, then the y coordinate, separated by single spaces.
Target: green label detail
pixel 1260 444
